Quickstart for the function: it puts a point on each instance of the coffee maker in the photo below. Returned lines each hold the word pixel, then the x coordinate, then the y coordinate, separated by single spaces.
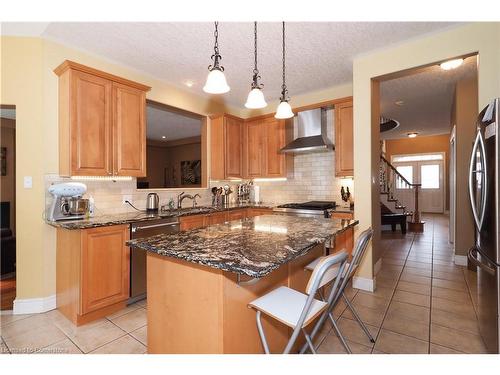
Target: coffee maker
pixel 67 203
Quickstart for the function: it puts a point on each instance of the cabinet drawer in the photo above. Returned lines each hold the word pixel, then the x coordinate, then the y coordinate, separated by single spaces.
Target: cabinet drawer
pixel 342 215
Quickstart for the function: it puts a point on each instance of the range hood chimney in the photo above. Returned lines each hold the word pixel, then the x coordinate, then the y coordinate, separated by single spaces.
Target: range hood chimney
pixel 309 133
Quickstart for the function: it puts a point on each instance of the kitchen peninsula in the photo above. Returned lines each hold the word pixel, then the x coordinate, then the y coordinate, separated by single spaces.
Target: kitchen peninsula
pixel 200 281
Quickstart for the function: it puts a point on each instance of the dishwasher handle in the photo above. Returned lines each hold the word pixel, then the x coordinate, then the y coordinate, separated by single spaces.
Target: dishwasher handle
pixel 144 227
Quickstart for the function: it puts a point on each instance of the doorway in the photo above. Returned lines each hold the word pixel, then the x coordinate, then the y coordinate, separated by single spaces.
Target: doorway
pixel 426 170
pixel 8 206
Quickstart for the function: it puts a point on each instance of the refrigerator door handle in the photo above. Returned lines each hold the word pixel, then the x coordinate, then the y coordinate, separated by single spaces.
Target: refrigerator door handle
pixel 472 256
pixel 478 146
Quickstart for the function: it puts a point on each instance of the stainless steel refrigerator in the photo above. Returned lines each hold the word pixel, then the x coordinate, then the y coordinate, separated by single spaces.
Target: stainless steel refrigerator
pixel 484 196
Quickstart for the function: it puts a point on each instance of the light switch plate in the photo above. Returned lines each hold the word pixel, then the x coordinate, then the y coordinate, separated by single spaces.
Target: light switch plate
pixel 28 182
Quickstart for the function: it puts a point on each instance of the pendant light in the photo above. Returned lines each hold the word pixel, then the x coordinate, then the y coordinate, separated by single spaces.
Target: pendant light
pixel 216 81
pixel 255 96
pixel 284 110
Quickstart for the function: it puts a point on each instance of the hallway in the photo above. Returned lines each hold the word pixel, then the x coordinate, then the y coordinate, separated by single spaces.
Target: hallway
pixel 423 302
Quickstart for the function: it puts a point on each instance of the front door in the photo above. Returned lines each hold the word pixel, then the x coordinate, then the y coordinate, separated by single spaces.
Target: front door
pixel 424 169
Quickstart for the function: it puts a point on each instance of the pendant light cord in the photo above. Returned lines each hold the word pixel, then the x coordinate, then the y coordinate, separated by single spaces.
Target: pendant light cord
pixel 216 56
pixel 284 90
pixel 255 70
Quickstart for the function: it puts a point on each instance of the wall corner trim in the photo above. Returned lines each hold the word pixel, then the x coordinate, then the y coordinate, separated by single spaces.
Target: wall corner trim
pixel 363 283
pixel 34 305
pixel 461 260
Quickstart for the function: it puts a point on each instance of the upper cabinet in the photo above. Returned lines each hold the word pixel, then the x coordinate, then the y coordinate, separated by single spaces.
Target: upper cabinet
pixel 263 139
pixel 344 140
pixel 226 139
pixel 102 123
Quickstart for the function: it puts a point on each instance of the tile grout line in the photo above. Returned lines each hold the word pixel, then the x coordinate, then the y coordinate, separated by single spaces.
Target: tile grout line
pixel 6 346
pixel 430 297
pixel 393 293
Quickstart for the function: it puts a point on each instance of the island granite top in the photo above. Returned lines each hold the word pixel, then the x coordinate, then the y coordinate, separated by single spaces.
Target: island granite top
pixel 254 246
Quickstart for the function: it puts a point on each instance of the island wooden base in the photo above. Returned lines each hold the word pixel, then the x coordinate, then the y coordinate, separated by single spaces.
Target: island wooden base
pixel 197 309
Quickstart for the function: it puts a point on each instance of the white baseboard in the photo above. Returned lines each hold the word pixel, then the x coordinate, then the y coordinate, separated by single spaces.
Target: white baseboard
pixel 363 283
pixel 461 260
pixel 34 305
pixel 377 266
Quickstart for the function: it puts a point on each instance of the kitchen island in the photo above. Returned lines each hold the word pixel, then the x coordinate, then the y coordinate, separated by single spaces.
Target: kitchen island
pixel 200 281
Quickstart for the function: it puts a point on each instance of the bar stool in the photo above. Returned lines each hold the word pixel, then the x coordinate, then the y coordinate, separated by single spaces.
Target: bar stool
pixel 359 250
pixel 295 309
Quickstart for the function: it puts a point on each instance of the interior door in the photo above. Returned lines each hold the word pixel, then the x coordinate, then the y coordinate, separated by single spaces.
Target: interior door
pixel 430 176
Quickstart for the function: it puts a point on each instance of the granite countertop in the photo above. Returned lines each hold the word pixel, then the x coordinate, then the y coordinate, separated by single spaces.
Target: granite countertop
pixel 254 246
pixel 133 217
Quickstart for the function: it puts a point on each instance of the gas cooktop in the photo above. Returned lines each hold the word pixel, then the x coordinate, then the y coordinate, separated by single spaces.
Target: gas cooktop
pixel 311 208
pixel 312 205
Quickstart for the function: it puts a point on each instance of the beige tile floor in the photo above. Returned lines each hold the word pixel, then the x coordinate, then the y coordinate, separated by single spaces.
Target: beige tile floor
pixel 51 333
pixel 423 304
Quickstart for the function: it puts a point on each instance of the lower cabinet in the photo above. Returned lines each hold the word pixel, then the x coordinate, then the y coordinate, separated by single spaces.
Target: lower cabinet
pixel 93 272
pixel 200 221
pixel 193 221
pixel 342 215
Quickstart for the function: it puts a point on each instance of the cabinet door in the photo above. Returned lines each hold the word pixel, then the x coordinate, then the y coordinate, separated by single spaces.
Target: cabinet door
pixel 217 218
pixel 129 130
pixel 255 138
pixel 275 141
pixel 105 267
pixel 233 147
pixel 193 222
pixel 90 134
pixel 344 140
pixel 251 212
pixel 236 215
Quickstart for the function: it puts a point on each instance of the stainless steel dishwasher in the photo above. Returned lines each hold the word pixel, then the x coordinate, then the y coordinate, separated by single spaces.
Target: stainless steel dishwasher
pixel 145 229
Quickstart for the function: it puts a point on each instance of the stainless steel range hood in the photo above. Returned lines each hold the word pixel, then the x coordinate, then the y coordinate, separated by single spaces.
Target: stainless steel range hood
pixel 309 133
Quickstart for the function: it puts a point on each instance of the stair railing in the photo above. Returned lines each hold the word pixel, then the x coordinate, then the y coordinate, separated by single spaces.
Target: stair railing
pixel 391 178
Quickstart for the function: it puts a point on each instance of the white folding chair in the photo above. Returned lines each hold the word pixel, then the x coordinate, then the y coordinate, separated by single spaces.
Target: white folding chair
pixel 295 309
pixel 359 250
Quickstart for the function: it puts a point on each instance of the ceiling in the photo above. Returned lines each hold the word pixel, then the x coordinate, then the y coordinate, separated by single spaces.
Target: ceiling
pixel 171 125
pixel 319 54
pixel 427 99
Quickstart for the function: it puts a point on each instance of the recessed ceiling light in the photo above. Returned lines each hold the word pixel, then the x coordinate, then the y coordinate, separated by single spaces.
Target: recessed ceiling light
pixel 412 135
pixel 451 64
pixel 163 136
pixel 189 83
pixel 399 102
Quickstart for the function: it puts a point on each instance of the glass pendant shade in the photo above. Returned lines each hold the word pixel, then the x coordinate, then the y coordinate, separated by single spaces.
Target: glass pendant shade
pixel 216 82
pixel 283 111
pixel 256 99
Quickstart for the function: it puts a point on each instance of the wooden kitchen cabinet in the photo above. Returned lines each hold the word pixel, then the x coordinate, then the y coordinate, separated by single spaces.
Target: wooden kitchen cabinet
pixel 264 138
pixel 226 137
pixel 342 215
pixel 344 140
pixel 236 215
pixel 275 141
pixel 255 138
pixel 102 123
pixel 92 272
pixel 217 218
pixel 193 221
pixel 251 212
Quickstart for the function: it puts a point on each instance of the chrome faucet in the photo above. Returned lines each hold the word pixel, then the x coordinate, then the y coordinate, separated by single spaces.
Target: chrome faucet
pixel 183 195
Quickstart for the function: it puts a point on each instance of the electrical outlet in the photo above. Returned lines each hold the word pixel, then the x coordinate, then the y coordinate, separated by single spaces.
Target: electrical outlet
pixel 127 198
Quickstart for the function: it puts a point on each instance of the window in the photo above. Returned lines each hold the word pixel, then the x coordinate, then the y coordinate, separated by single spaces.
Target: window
pixel 429 176
pixel 407 172
pixel 420 157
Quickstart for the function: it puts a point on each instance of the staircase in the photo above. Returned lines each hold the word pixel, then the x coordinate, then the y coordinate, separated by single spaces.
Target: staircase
pixel 389 179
